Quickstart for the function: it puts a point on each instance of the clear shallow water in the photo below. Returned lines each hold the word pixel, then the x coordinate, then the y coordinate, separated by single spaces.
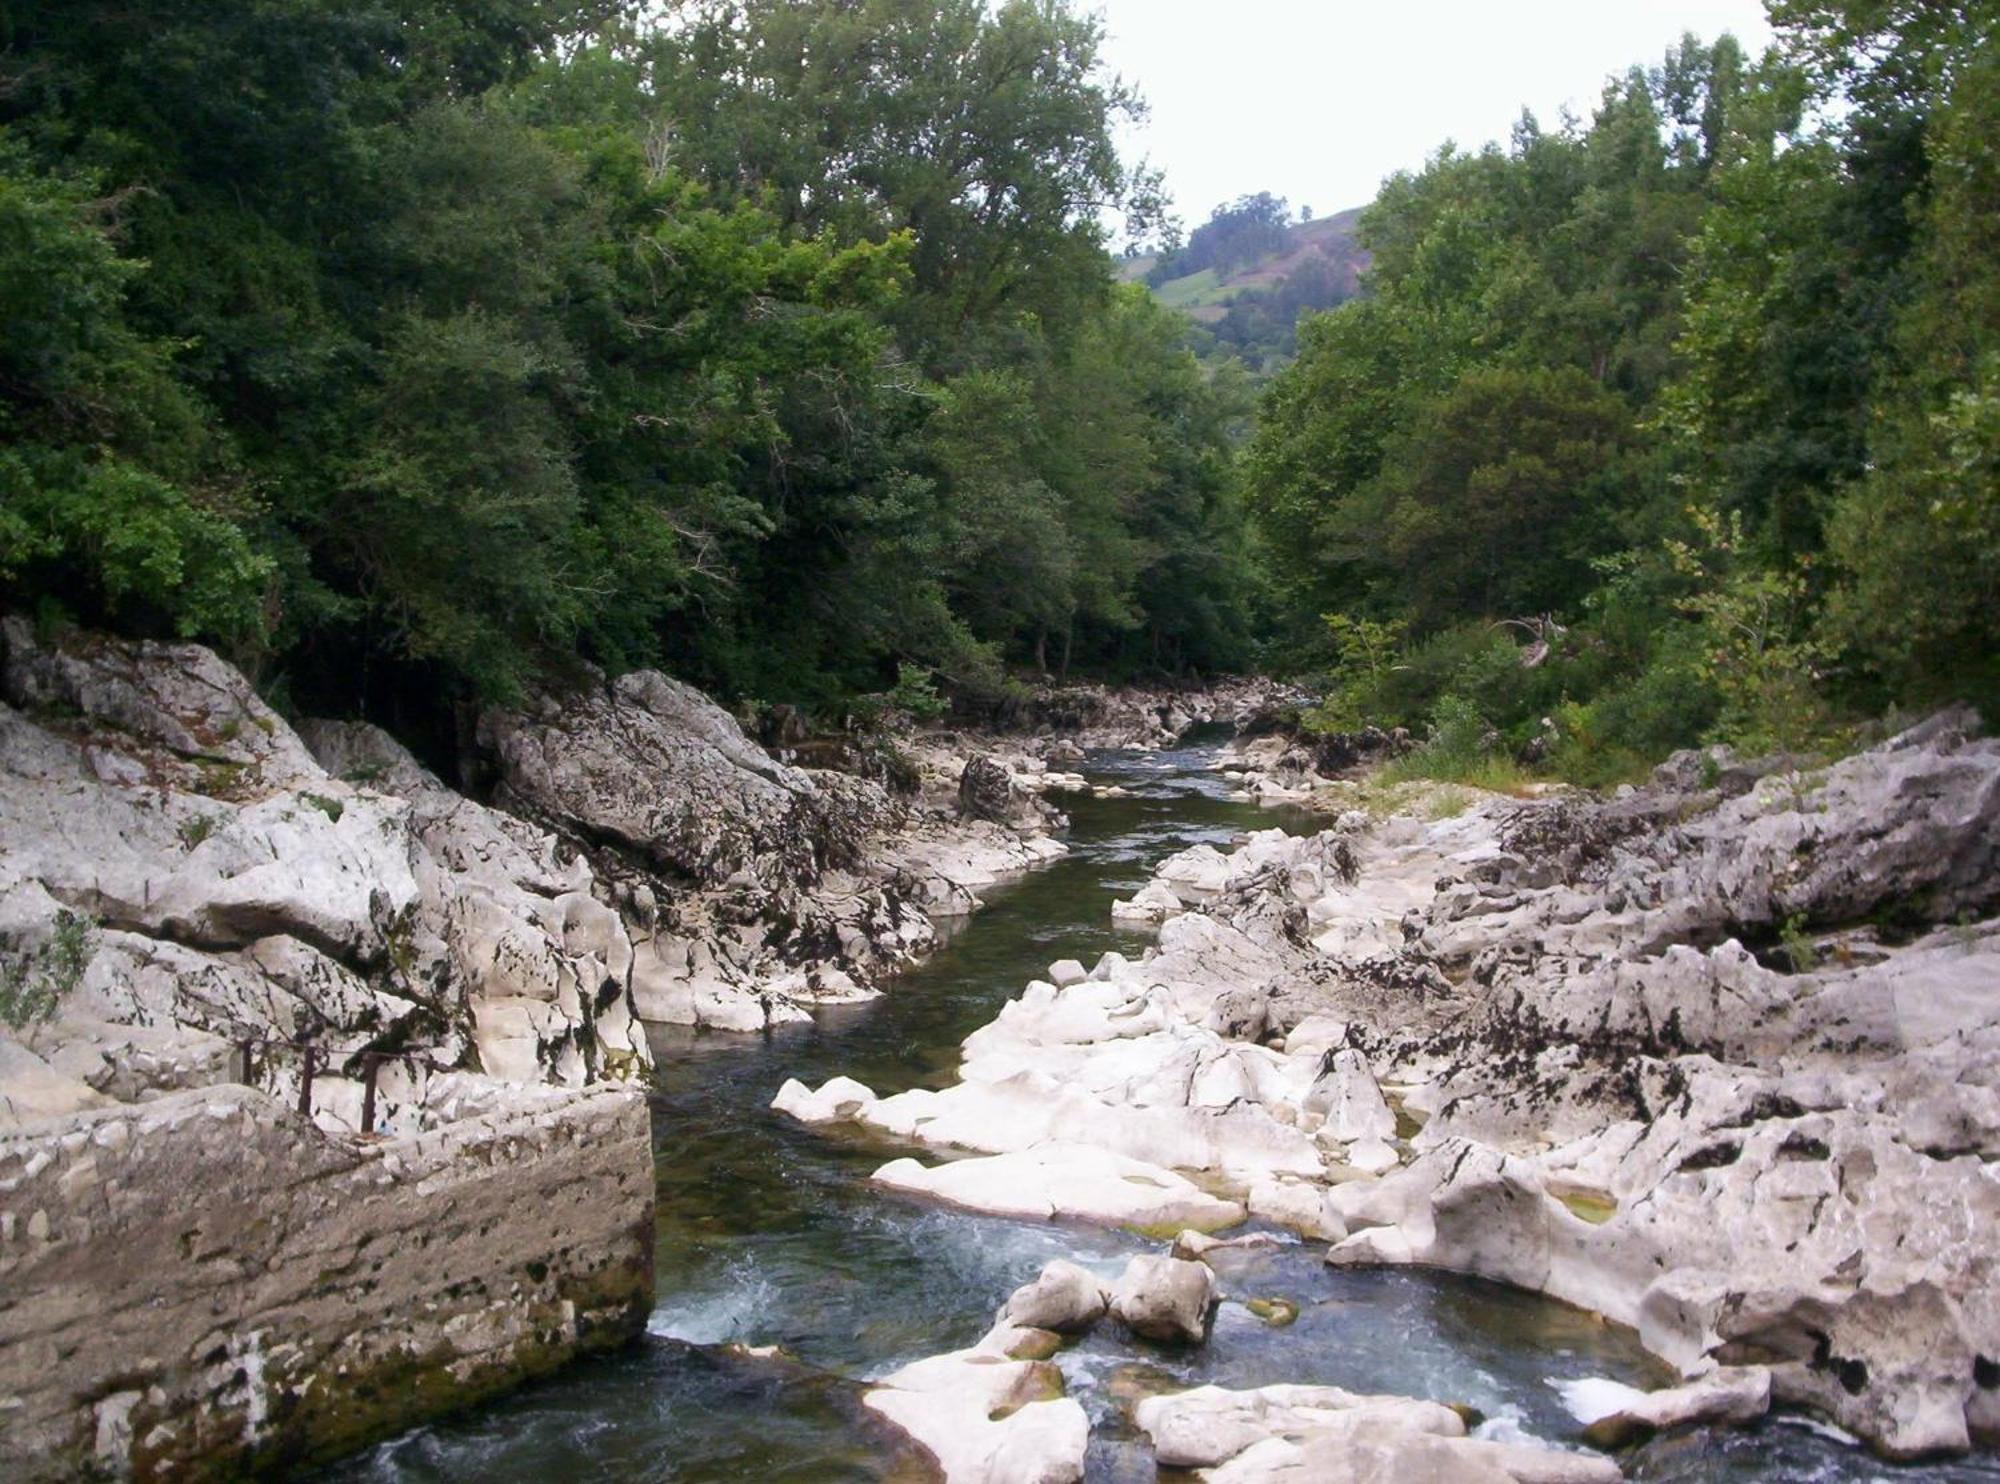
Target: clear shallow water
pixel 770 1235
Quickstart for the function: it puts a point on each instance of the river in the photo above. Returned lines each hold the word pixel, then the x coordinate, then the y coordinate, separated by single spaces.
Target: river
pixel 769 1235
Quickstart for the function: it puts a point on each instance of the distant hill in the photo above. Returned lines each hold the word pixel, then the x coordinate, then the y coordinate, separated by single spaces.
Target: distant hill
pixel 1247 274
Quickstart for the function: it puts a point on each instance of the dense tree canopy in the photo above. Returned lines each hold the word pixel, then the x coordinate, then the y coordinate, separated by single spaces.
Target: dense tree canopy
pixel 413 352
pixel 1702 386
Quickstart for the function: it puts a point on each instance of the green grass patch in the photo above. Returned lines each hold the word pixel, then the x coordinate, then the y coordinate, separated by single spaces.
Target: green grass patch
pixel 1196 289
pixel 1490 772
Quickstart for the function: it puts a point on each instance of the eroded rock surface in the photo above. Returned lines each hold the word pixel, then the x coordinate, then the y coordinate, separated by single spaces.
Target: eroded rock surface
pixel 1716 1059
pixel 753 890
pixel 1324 1433
pixel 218 898
pixel 987 1417
pixel 239 889
pixel 206 1285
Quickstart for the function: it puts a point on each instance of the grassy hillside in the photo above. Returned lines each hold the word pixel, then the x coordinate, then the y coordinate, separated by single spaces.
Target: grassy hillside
pixel 1252 305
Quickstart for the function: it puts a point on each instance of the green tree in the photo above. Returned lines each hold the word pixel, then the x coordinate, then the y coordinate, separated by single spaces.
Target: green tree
pixel 1496 499
pixel 986 133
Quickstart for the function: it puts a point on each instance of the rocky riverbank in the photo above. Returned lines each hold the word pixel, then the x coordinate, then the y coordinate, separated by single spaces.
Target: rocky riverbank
pixel 291 1002
pixel 1713 1060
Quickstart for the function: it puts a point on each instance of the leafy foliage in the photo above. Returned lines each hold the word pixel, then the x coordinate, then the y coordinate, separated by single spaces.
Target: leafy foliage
pixel 414 353
pixel 1694 401
pixel 35 982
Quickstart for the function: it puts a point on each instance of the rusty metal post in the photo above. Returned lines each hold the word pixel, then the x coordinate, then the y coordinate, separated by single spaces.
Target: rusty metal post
pixel 306 1083
pixel 371 1064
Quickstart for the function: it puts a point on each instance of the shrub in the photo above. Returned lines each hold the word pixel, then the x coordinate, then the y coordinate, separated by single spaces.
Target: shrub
pixel 33 984
pixel 197 828
pixel 915 693
pixel 1673 703
pixel 1460 749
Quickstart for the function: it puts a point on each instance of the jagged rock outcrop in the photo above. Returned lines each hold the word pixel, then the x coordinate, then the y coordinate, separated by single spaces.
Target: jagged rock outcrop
pixel 225 898
pixel 209 904
pixel 242 890
pixel 752 890
pixel 652 768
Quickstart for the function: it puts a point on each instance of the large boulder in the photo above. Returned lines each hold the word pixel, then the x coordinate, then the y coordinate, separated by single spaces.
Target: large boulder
pixel 654 769
pixel 1063 1297
pixel 987 790
pixel 987 1418
pixel 1303 1433
pixel 1165 1298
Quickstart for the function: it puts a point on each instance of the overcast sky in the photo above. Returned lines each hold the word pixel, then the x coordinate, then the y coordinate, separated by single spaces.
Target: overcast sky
pixel 1318 100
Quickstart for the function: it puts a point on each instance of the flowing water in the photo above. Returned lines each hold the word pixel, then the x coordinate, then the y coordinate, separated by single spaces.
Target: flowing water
pixel 769 1235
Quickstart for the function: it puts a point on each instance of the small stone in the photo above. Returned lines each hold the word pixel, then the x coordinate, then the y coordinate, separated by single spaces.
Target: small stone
pixel 1276 1312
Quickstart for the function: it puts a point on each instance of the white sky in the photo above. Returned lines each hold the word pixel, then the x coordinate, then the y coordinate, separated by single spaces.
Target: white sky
pixel 1318 100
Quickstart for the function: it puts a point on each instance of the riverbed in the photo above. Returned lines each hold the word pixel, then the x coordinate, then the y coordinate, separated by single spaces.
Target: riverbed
pixel 770 1236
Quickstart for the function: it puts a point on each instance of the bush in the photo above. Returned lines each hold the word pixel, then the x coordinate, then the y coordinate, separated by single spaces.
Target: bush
pixel 33 984
pixel 1461 748
pixel 915 693
pixel 1671 704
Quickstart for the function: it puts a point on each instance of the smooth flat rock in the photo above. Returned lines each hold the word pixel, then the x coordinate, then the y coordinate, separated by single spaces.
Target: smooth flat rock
pixel 1066 1180
pixel 1321 1434
pixel 987 1419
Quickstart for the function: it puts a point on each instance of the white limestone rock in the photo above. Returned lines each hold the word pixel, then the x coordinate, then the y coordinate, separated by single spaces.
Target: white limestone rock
pixel 1165 1298
pixel 987 1419
pixel 239 888
pixel 1615 1416
pixel 31 1090
pixel 1301 1433
pixel 1063 1297
pixel 837 1100
pixel 1066 1180
pixel 1152 905
pixel 1351 1102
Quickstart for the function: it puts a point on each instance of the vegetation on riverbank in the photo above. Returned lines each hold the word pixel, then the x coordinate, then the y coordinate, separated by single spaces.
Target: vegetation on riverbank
pixel 1676 425
pixel 414 354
